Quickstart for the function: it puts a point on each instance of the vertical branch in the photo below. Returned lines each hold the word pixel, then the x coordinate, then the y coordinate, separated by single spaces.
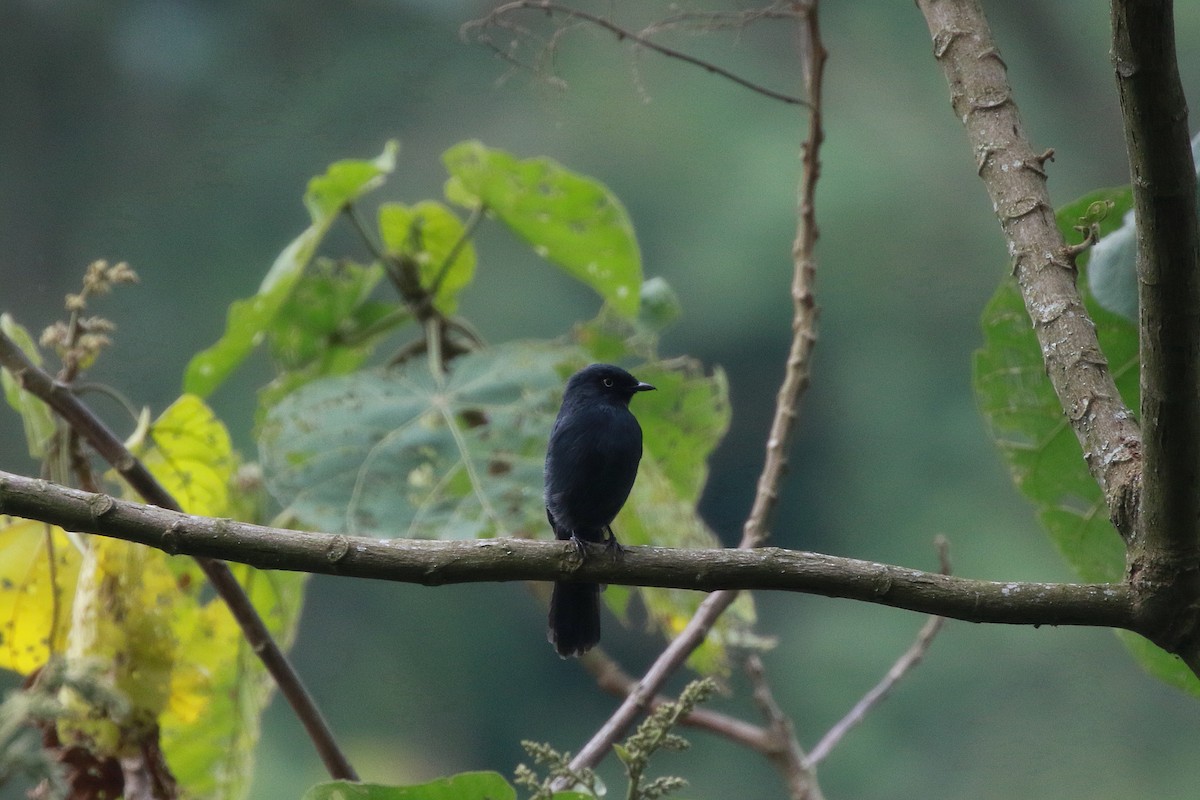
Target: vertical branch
pixel 1015 178
pixel 798 770
pixel 795 381
pixel 1164 196
pixel 804 308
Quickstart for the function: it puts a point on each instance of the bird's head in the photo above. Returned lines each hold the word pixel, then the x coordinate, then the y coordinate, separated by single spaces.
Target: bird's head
pixel 604 382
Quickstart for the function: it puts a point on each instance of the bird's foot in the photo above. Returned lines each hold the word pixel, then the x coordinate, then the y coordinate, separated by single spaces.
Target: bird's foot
pixel 580 547
pixel 611 544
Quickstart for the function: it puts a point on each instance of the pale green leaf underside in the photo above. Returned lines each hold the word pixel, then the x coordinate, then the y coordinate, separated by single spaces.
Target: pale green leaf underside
pixel 396 454
pixel 393 453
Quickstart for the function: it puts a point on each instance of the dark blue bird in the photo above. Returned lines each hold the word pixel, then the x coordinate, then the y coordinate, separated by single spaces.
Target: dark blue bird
pixel 591 462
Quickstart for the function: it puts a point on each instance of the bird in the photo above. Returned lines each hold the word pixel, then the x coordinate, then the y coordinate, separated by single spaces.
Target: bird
pixel 591 462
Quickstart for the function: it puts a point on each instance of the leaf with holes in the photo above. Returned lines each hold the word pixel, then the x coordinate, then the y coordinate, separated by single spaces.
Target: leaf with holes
pixel 569 219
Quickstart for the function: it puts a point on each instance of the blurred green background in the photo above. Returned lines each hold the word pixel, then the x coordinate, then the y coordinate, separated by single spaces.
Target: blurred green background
pixel 178 135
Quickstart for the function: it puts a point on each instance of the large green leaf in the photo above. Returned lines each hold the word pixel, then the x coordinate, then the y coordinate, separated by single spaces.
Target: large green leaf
pixel 1027 422
pixel 401 453
pixel 396 453
pixel 683 421
pixel 569 219
pixel 464 786
pixel 248 319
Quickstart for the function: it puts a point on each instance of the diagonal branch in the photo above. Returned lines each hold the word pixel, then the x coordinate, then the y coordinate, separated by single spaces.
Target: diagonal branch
pixel 903 665
pixel 1015 180
pixel 614 680
pixel 58 396
pixel 908 659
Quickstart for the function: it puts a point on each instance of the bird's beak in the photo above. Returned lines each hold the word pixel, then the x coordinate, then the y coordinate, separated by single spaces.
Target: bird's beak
pixel 643 387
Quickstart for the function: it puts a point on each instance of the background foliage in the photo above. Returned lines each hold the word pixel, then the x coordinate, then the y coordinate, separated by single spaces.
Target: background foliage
pixel 179 136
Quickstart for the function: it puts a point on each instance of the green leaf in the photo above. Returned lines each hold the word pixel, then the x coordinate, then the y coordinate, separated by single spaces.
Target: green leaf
pixel 569 219
pixel 426 235
pixel 660 305
pixel 398 453
pixel 464 786
pixel 320 311
pixel 35 415
pixel 345 181
pixel 248 319
pixel 328 326
pixel 1027 423
pixel 1158 662
pixel 683 421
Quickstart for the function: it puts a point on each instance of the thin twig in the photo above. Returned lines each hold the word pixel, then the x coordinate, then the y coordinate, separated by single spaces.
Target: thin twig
pixel 351 212
pixel 468 229
pixel 81 419
pixel 611 678
pixel 909 659
pixel 720 20
pixel 497 19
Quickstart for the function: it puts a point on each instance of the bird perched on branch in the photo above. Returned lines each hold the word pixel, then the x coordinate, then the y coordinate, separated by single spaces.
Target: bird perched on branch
pixel 591 462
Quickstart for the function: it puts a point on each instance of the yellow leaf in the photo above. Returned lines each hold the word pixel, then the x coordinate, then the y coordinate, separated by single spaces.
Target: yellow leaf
pixel 190 454
pixel 211 724
pixel 125 605
pixel 38 570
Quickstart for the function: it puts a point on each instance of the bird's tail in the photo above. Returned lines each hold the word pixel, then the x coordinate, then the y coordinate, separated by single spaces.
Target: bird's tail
pixel 574 618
